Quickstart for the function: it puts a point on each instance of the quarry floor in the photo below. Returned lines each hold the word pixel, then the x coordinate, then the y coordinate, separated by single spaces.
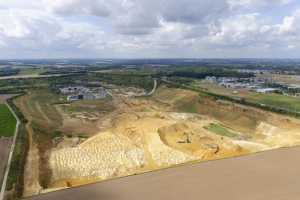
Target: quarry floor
pixel 269 175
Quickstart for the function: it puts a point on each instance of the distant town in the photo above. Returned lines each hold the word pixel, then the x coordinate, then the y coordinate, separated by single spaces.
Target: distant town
pixel 257 84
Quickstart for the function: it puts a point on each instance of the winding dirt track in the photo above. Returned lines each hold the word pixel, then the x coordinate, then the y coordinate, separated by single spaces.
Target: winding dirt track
pixel 270 175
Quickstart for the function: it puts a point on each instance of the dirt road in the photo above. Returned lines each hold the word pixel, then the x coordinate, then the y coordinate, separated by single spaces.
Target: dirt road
pixel 269 175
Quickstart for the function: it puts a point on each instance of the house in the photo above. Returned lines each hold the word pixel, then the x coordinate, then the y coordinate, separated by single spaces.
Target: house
pixel 73 90
pixel 211 79
pixel 73 98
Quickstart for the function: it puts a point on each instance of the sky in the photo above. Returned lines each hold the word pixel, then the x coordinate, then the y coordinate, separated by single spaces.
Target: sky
pixel 149 29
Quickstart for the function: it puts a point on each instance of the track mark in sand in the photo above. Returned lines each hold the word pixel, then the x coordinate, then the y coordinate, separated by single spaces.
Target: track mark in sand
pixel 38 106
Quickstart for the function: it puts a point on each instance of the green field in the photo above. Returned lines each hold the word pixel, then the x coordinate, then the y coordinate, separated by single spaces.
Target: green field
pixel 32 71
pixel 7 122
pixel 288 103
pixel 276 100
pixel 220 130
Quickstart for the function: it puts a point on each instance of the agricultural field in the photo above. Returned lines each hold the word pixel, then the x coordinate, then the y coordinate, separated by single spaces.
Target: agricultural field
pixel 5 144
pixel 31 71
pixel 7 122
pixel 289 79
pixel 274 100
pixel 254 176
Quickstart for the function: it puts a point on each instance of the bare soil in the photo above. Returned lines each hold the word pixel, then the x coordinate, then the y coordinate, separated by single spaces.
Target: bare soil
pixel 4 97
pixel 5 144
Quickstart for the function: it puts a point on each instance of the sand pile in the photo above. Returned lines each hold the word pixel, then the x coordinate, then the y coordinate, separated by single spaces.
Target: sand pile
pixel 103 156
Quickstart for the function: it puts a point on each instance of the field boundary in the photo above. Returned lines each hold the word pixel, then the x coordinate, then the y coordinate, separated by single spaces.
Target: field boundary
pixel 12 148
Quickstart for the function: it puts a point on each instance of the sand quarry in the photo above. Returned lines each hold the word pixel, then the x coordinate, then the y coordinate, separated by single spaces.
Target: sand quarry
pixel 165 130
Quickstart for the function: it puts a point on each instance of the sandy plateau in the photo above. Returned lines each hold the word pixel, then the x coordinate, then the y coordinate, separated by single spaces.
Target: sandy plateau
pixel 164 130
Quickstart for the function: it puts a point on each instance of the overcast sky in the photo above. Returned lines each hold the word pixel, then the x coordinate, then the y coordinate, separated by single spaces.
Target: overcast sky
pixel 149 29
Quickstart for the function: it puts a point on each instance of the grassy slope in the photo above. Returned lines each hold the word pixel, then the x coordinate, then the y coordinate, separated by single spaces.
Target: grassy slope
pixel 7 122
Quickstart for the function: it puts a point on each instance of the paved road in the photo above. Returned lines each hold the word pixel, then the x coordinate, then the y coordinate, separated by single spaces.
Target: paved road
pixel 154 88
pixel 273 175
pixel 31 76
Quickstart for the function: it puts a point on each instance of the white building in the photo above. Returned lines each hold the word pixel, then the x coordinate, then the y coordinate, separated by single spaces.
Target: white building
pixel 267 90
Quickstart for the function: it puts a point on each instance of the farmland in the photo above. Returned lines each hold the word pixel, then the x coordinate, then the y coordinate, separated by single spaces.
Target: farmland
pixel 5 144
pixel 273 100
pixel 7 122
pixel 254 176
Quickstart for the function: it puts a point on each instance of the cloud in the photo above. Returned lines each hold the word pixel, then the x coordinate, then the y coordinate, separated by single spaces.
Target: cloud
pixel 291 25
pixel 143 28
pixel 73 7
pixel 142 16
pixel 257 3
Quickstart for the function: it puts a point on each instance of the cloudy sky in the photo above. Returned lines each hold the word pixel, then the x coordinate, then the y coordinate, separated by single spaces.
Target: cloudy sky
pixel 149 29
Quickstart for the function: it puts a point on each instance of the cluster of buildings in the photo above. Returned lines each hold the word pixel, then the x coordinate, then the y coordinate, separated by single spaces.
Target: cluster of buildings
pixel 257 84
pixel 76 93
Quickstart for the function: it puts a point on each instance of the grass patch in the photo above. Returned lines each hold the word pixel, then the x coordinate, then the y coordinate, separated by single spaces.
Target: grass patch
pixel 7 122
pixel 276 100
pixel 220 130
pixel 188 108
pixel 32 71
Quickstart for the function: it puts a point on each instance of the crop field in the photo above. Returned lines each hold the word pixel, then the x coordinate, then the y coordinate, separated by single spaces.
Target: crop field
pixel 289 79
pixel 5 144
pixel 268 175
pixel 7 122
pixel 276 100
pixel 273 100
pixel 31 71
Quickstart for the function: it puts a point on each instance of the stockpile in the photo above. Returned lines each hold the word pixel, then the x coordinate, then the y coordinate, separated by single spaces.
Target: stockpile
pixel 105 155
